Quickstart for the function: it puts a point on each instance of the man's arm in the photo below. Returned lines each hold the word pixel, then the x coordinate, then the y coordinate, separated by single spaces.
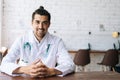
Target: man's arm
pixel 37 69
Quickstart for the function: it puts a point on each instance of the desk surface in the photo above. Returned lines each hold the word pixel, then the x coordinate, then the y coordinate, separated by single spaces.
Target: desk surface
pixel 74 76
pixel 91 51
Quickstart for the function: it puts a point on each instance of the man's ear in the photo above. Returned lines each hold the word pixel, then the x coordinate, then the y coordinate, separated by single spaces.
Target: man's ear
pixel 31 22
pixel 49 24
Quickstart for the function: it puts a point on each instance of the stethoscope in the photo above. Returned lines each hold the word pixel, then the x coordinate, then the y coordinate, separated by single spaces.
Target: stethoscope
pixel 27 46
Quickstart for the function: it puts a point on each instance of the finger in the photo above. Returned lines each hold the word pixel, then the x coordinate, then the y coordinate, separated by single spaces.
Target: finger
pixel 37 61
pixel 38 69
pixel 41 76
pixel 42 73
pixel 38 74
pixel 42 69
pixel 34 75
pixel 40 64
pixel 34 72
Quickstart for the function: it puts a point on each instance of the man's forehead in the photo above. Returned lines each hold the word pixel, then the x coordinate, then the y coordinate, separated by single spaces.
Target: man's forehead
pixel 40 17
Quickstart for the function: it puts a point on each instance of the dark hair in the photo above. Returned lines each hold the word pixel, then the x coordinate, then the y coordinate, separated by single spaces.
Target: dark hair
pixel 41 11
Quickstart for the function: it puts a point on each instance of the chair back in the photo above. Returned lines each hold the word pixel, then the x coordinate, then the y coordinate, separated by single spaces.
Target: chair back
pixel 82 57
pixel 111 58
pixel 1 57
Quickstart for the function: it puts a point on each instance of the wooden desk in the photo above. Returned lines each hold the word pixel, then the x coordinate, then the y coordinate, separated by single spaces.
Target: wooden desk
pixel 91 51
pixel 74 76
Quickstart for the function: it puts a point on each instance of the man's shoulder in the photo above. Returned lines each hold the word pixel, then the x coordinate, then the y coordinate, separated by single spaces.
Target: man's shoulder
pixel 54 37
pixel 25 36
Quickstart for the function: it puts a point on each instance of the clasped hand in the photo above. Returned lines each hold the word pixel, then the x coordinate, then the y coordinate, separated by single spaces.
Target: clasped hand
pixel 36 69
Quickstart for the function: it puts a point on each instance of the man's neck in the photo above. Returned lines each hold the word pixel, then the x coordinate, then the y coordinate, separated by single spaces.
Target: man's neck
pixel 38 38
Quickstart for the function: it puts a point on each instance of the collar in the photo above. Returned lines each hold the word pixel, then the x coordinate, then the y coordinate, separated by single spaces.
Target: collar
pixel 46 39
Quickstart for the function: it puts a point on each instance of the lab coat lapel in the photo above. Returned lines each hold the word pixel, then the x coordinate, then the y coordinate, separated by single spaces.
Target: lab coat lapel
pixel 45 47
pixel 40 50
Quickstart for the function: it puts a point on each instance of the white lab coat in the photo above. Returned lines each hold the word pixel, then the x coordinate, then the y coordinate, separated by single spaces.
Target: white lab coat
pixel 50 50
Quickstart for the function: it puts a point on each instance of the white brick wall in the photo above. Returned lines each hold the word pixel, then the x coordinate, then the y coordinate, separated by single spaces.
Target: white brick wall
pixel 71 19
pixel 0 20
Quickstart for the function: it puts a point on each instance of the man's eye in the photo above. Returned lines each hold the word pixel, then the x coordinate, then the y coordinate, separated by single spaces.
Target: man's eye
pixel 45 22
pixel 37 22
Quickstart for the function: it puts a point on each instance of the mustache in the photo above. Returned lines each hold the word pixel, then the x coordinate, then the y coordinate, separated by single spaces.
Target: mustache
pixel 41 29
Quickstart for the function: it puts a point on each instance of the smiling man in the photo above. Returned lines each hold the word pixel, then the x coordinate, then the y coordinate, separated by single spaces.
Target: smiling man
pixel 40 54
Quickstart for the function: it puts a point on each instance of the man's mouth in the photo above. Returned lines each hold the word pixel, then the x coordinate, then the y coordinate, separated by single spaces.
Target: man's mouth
pixel 41 30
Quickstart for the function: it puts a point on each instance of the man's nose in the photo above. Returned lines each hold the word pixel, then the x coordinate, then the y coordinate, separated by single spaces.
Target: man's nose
pixel 40 25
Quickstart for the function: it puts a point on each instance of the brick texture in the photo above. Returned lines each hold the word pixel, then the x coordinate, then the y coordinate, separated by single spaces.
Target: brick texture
pixel 69 18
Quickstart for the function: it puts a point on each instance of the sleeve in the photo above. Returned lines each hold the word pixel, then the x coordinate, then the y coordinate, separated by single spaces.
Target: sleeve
pixel 64 60
pixel 9 64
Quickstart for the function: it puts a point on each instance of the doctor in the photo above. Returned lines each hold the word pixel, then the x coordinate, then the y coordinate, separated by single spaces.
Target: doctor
pixel 38 53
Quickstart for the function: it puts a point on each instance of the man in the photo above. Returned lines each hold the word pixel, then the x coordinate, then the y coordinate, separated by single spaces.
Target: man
pixel 40 54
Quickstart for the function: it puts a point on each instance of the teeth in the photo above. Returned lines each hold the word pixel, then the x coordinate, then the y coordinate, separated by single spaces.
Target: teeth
pixel 40 31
